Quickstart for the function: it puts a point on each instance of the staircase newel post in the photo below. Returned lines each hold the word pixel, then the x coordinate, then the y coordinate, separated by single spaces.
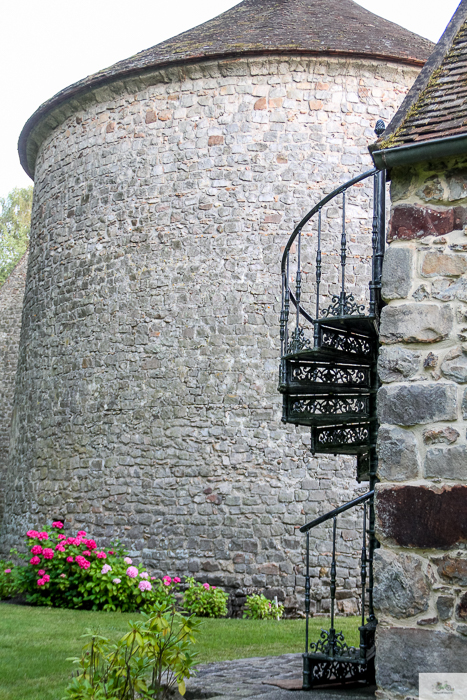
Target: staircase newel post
pixel 306 661
pixel 374 246
pixel 381 235
pixel 332 631
pixel 318 282
pixel 342 297
pixel 363 644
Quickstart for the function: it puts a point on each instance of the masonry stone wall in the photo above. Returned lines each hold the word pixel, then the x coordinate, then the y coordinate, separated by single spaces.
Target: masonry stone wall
pixel 147 405
pixel 11 306
pixel 421 568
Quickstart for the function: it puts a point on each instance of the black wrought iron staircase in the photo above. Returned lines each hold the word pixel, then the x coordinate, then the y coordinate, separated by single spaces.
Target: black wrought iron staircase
pixel 328 380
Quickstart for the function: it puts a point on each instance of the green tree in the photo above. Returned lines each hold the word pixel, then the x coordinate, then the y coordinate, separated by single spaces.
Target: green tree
pixel 15 223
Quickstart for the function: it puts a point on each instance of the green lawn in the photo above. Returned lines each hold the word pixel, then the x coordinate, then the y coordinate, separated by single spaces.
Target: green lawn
pixel 35 643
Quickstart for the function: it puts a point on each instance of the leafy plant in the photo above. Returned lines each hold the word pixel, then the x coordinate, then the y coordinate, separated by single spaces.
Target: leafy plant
pixel 8 579
pixel 147 662
pixel 204 600
pixel 258 607
pixel 15 222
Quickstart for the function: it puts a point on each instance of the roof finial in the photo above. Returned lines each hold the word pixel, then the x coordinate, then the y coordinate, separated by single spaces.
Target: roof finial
pixel 380 127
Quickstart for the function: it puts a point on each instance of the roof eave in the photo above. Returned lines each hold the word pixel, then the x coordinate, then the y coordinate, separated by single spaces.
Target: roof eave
pixel 418 152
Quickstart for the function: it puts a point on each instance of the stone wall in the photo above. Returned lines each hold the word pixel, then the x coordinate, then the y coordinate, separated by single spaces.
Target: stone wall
pixel 148 405
pixel 421 568
pixel 11 306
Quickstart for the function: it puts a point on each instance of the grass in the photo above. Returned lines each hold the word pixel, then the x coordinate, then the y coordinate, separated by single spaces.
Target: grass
pixel 35 643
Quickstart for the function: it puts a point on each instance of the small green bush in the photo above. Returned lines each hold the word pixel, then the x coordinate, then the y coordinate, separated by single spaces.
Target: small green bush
pixel 204 600
pixel 8 579
pixel 147 662
pixel 258 607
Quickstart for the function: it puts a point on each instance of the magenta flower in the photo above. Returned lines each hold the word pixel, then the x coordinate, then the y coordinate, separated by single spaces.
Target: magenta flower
pixel 144 586
pixel 69 559
pixel 101 555
pixel 42 536
pixel 166 583
pixel 153 578
pixel 81 533
pixel 86 553
pixel 206 586
pixel 105 569
pixel 37 549
pixel 48 553
pixel 144 574
pixel 7 571
pixel 35 561
pixel 60 548
pixel 90 544
pixel 82 562
pixel 33 534
pixel 176 579
pixel 58 524
pixel 127 560
pixel 167 580
pixel 62 575
pixel 41 572
pixel 62 537
pixel 116 580
pixel 46 578
pixel 70 540
pixel 132 572
pixel 41 582
pixel 111 551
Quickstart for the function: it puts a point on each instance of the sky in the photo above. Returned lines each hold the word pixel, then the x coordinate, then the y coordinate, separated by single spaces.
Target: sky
pixel 50 44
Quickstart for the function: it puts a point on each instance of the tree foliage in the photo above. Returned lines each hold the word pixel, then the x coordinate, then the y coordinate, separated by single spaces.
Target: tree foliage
pixel 15 223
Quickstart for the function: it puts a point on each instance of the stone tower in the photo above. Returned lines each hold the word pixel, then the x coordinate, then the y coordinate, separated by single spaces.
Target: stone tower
pixel 146 402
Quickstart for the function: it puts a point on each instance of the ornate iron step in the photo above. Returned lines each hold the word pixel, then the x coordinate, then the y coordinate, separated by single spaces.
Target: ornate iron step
pixel 326 409
pixel 347 439
pixel 326 376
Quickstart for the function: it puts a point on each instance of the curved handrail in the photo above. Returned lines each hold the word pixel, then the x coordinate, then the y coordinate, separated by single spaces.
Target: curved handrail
pixel 337 511
pixel 319 206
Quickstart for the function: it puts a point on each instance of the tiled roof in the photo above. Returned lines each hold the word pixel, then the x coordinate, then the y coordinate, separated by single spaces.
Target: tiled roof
pixel 436 107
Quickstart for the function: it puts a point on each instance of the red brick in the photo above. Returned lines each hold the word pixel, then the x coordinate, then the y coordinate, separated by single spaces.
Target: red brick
pixel 215 140
pixel 410 221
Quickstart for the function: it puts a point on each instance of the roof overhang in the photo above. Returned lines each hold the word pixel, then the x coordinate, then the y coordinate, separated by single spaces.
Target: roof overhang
pixel 418 152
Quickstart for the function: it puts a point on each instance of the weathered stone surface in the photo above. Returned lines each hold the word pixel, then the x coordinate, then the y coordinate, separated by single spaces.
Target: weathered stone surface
pixel 397 273
pixel 447 462
pixel 401 587
pixel 422 292
pixel 415 323
pixel 436 264
pixel 405 653
pixel 449 289
pixel 397 454
pixel 456 182
pixel 431 190
pixel 453 570
pixel 464 404
pixel 461 608
pixel 430 361
pixel 410 404
pixel 444 606
pixel 447 435
pixel 411 221
pixel 419 516
pixel 395 363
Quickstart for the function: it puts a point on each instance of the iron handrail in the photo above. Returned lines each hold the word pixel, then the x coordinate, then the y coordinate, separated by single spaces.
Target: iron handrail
pixel 337 511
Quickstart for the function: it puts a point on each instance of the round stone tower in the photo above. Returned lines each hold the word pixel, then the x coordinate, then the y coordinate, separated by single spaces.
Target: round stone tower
pixel 165 186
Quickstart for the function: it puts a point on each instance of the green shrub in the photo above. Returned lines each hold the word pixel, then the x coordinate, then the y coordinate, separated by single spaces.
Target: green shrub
pixel 147 662
pixel 71 572
pixel 258 607
pixel 8 579
pixel 204 600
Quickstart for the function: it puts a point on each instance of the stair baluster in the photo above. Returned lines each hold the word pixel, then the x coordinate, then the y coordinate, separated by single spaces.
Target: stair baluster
pixel 318 282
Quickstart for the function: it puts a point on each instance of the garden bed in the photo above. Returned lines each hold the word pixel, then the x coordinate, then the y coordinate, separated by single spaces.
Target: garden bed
pixel 36 641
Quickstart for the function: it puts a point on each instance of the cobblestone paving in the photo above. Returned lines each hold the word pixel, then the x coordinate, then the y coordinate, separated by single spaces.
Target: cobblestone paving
pixel 245 678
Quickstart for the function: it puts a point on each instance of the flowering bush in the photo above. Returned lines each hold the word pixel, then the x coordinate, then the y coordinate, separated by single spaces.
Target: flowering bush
pixel 71 572
pixel 204 600
pixel 8 579
pixel 258 607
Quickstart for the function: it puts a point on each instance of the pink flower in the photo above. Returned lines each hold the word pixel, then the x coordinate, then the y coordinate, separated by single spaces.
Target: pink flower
pixel 206 586
pixel 176 579
pixel 101 555
pixel 58 524
pixel 132 572
pixel 7 571
pixel 78 541
pixel 42 536
pixel 111 551
pixel 166 583
pixel 167 580
pixel 62 537
pixel 81 533
pixel 33 534
pixel 48 553
pixel 86 553
pixel 46 578
pixel 144 574
pixel 62 575
pixel 213 588
pixel 153 578
pixel 144 586
pixel 127 560
pixel 41 572
pixel 41 582
pixel 116 580
pixel 37 549
pixel 105 569
pixel 35 561
pixel 69 559
pixel 82 562
pixel 60 548
pixel 70 540
pixel 90 544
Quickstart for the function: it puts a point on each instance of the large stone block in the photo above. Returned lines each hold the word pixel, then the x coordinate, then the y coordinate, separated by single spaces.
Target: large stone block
pixel 415 323
pixel 395 363
pixel 397 454
pixel 403 653
pixel 455 368
pixel 421 516
pixel 397 273
pixel 411 221
pixel 447 462
pixel 436 264
pixel 410 404
pixel 401 587
pixel 452 570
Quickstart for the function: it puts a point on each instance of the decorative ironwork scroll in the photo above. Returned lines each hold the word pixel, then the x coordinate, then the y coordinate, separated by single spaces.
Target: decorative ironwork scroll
pixel 346 342
pixel 331 406
pixel 343 305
